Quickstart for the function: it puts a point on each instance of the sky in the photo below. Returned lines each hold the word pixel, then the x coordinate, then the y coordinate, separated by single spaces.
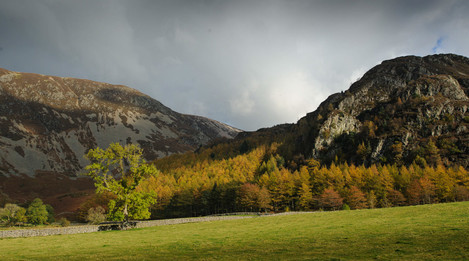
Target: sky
pixel 250 64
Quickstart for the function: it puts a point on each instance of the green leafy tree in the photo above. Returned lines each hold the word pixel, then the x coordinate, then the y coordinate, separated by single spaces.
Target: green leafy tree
pixel 12 214
pixel 119 170
pixel 37 212
pixel 7 213
pixel 20 216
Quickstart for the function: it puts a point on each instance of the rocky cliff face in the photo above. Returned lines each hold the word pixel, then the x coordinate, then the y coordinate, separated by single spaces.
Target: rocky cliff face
pixel 404 109
pixel 48 123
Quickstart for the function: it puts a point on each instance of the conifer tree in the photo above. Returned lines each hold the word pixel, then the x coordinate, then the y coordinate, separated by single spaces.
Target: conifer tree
pixel 357 199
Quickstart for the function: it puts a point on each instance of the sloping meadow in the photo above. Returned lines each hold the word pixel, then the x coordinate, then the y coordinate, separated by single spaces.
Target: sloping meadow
pixel 428 232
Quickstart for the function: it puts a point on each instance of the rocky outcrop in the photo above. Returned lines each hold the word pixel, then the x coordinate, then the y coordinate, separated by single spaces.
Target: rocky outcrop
pixel 48 123
pixel 394 111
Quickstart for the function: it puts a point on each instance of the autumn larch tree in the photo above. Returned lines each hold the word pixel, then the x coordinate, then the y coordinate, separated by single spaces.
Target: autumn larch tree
pixel 330 199
pixel 305 197
pixel 356 198
pixel 251 196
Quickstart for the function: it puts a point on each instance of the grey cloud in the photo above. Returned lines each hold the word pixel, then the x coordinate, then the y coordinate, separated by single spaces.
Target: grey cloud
pixel 251 64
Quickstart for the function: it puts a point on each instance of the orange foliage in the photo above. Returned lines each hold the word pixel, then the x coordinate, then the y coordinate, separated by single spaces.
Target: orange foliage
pixel 356 199
pixel 213 180
pixel 330 200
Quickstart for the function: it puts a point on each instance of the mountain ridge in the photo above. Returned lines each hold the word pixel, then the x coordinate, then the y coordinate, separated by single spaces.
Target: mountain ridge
pixel 52 121
pixel 415 89
pixel 396 107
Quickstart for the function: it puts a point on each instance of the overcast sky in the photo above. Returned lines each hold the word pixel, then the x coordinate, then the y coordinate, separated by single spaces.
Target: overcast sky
pixel 250 64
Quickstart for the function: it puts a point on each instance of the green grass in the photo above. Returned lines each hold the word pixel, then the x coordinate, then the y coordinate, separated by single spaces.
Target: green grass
pixel 430 232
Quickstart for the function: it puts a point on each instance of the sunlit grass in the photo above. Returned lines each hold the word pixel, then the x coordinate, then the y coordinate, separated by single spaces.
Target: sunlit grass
pixel 430 232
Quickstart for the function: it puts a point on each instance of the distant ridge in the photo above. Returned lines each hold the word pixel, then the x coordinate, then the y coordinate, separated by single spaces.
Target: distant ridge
pixel 50 122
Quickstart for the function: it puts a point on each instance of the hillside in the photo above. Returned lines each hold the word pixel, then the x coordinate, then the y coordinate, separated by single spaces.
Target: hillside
pixel 48 123
pixel 405 109
pixel 398 136
pixel 402 109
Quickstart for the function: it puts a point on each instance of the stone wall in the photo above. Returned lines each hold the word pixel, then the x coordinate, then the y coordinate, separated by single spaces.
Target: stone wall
pixel 48 231
pixel 140 224
pixel 95 228
pixel 163 222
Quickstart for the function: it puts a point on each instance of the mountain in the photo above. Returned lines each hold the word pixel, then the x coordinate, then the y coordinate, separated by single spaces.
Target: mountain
pixel 51 122
pixel 404 109
pixel 398 136
pixel 48 123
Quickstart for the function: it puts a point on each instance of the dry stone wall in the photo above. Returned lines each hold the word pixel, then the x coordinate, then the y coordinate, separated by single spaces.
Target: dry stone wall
pixel 48 231
pixel 140 224
pixel 163 222
pixel 95 228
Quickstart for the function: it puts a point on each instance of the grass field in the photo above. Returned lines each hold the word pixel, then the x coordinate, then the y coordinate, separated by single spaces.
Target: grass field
pixel 430 232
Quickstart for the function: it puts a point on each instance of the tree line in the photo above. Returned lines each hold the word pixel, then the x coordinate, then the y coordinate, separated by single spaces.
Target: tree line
pixel 216 180
pixel 221 179
pixel 35 213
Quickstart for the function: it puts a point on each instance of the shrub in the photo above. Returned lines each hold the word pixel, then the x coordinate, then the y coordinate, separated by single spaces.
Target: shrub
pixel 96 215
pixel 64 222
pixel 345 207
pixel 101 199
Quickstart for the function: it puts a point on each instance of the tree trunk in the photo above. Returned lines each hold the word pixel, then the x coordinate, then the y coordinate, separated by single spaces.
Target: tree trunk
pixel 126 213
